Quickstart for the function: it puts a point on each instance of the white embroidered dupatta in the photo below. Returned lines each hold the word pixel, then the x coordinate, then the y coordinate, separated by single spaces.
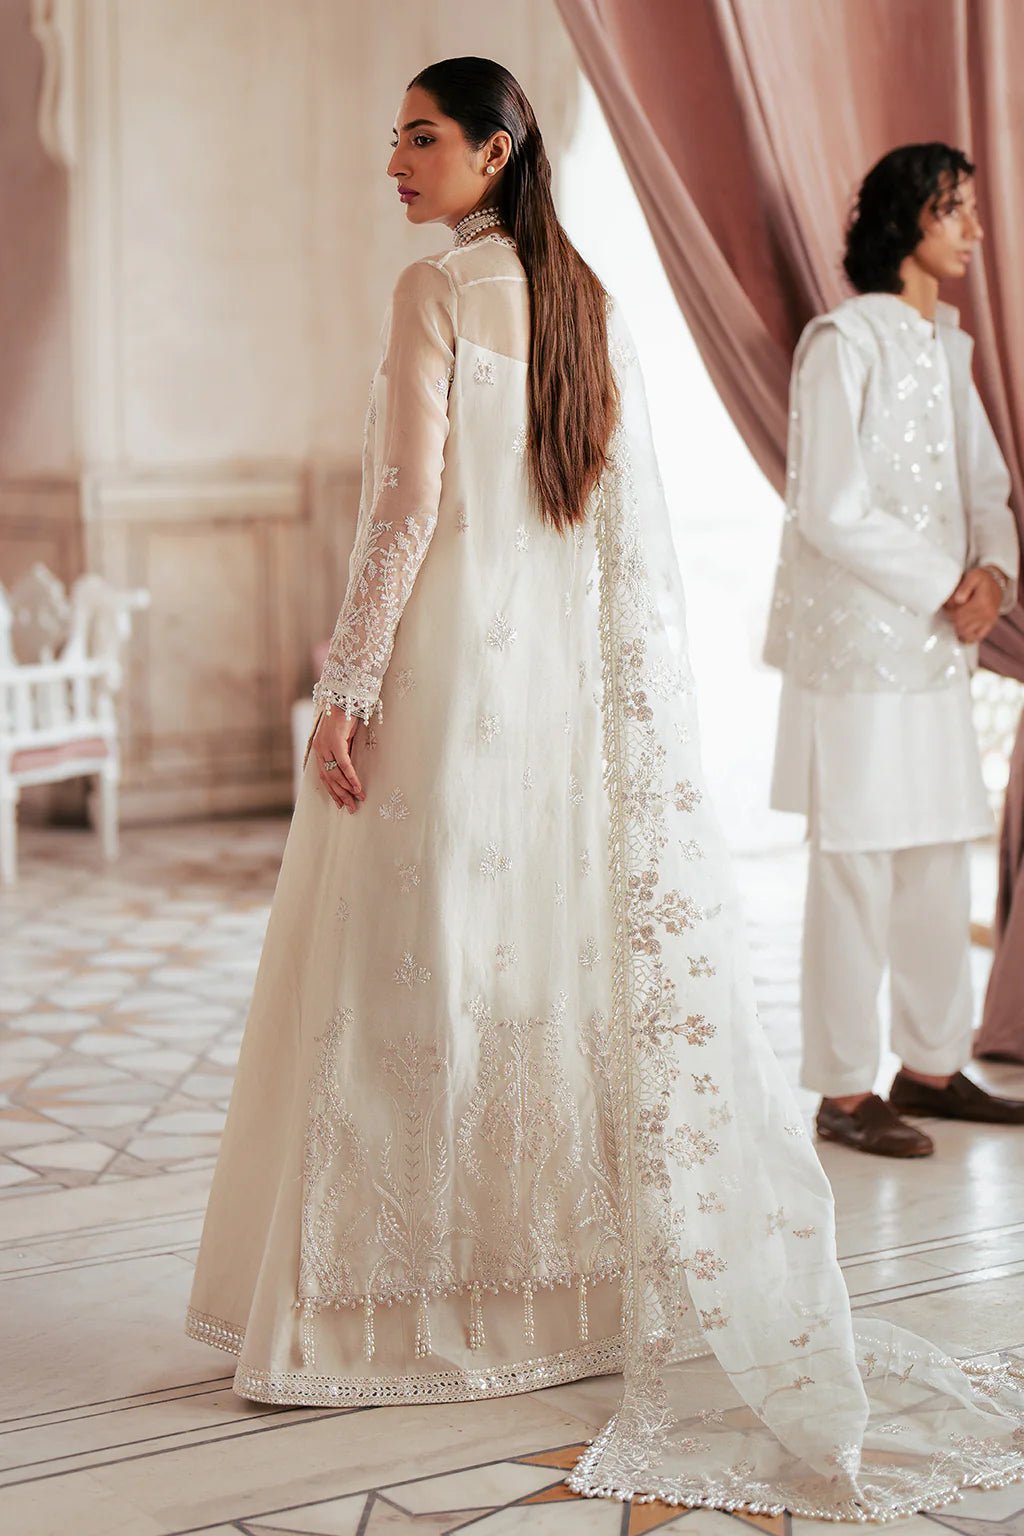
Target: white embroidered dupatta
pixel 746 1381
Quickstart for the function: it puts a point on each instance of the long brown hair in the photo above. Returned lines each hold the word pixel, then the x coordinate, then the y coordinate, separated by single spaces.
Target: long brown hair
pixel 571 394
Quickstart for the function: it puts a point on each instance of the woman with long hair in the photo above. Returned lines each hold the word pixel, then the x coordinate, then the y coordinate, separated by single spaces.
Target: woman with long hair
pixel 504 1117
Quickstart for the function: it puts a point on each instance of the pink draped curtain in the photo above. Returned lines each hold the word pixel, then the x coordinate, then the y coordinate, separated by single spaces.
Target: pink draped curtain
pixel 746 126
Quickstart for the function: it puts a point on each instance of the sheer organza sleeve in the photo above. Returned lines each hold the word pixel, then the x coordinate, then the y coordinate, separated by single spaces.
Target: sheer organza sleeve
pixel 400 507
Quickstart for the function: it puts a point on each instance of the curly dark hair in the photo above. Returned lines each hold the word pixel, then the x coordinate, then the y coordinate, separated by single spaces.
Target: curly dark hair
pixel 886 223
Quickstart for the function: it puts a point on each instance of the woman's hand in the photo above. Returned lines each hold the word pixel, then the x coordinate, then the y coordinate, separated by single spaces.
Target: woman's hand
pixel 333 746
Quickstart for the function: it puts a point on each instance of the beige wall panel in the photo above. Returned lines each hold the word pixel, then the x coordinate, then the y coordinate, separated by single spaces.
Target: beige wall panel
pixel 216 661
pixel 213 159
pixel 39 520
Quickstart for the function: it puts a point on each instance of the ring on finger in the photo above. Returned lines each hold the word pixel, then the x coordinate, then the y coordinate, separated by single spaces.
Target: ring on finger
pixel 332 762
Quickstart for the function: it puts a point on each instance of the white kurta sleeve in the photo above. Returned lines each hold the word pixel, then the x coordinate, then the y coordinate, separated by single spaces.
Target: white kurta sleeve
pixel 994 539
pixel 834 511
pixel 401 507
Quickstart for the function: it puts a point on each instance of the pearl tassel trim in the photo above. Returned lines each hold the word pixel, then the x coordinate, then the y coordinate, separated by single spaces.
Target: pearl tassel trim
pixel 584 1316
pixel 477 1337
pixel 528 1332
pixel 306 1326
pixel 310 1306
pixel 422 1346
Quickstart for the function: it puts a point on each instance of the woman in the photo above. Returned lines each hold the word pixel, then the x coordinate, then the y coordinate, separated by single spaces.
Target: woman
pixel 503 1116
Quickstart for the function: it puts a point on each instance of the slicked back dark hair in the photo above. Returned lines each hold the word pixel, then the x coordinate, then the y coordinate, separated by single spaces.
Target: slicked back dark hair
pixel 886 223
pixel 572 398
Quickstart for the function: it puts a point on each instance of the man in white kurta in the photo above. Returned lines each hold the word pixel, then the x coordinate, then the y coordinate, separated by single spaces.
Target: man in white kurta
pixel 897 488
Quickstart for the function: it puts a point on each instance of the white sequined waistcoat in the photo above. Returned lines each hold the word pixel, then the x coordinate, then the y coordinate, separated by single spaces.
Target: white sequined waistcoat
pixel 830 629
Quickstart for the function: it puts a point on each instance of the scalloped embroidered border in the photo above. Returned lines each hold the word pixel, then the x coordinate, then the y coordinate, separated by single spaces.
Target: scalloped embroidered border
pixel 296 1388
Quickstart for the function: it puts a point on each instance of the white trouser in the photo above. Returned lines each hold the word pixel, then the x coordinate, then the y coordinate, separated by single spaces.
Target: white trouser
pixel 910 909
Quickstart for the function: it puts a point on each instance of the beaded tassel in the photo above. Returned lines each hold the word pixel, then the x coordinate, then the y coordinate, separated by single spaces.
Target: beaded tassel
pixel 528 1313
pixel 477 1339
pixel 423 1345
pixel 369 1341
pixel 306 1333
pixel 584 1315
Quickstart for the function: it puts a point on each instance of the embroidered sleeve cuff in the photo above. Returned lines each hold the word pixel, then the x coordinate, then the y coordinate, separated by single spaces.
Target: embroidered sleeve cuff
pixel 355 702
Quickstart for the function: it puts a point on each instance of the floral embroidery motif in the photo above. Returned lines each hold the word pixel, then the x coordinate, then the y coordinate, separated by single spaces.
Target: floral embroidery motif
pixel 501 634
pixel 409 974
pixel 462 522
pixel 704 1084
pixel 522 539
pixel 687 1445
pixel 490 728
pixel 389 477
pixel 677 912
pixel 370 739
pixel 342 911
pixel 801 1341
pixel 444 381
pixel 696 1030
pixel 483 373
pixel 408 877
pixel 559 895
pixel 691 1148
pixel 506 955
pixel 776 1221
pixel 394 807
pixel 713 1319
pixel 519 442
pixel 709 1205
pixel 804 1231
pixel 575 792
pixel 494 863
pixel 585 865
pixel 705 1264
pixel 590 955
pixel 687 796
pixel 701 966
pixel 692 850
pixel 528 778
pixel 405 682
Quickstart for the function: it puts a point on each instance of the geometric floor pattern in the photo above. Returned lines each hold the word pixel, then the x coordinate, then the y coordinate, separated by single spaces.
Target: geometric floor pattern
pixel 122 998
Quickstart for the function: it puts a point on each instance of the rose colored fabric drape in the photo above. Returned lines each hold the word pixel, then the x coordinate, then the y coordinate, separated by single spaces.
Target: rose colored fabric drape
pixel 745 128
pixel 1002 1029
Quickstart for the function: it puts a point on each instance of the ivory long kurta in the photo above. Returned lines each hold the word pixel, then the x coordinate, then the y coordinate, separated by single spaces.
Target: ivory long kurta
pixel 417 1201
pixel 897 765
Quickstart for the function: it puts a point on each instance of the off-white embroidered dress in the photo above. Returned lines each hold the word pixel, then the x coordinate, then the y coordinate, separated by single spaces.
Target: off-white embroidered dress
pixel 504 1115
pixel 420 1121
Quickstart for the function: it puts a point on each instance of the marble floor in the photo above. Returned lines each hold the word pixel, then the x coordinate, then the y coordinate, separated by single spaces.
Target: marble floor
pixel 122 999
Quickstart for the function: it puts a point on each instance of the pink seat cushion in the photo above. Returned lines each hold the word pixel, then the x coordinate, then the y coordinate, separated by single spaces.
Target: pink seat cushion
pixel 30 758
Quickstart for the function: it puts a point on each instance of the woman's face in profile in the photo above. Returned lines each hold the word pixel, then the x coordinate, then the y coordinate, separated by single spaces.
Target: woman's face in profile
pixel 440 177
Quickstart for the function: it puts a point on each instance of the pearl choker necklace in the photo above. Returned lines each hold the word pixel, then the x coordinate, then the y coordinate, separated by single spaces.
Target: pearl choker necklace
pixel 467 229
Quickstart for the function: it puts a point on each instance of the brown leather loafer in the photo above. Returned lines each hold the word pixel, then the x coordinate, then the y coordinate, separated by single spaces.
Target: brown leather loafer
pixel 959 1100
pixel 872 1127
